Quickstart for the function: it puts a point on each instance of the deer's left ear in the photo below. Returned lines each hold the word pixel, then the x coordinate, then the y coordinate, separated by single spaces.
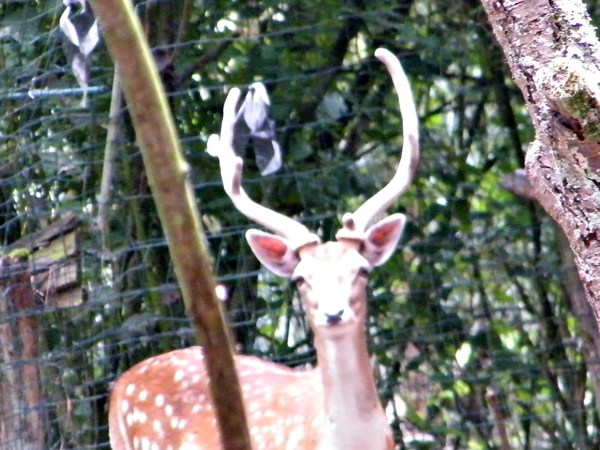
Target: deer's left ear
pixel 381 239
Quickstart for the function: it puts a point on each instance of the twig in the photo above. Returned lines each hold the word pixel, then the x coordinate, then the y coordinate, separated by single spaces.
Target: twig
pixel 112 133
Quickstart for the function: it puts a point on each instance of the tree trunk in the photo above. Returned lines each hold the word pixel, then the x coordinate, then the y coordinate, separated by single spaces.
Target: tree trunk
pixel 22 415
pixel 552 51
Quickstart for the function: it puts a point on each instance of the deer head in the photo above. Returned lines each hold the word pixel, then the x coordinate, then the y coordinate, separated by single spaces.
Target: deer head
pixel 295 252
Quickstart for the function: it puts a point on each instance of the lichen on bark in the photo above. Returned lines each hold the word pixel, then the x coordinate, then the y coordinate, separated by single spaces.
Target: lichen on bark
pixel 554 57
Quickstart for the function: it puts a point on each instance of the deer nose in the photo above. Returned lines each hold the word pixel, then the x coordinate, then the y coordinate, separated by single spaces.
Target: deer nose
pixel 332 319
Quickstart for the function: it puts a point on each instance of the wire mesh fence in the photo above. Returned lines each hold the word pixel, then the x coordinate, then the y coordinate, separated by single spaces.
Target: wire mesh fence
pixel 479 329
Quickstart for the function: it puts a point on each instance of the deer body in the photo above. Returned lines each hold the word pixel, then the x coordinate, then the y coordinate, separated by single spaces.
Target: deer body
pixel 163 402
pixel 335 406
pixel 184 417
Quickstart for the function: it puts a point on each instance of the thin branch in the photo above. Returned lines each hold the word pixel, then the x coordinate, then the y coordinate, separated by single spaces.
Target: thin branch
pixel 211 55
pixel 168 176
pixel 352 26
pixel 112 134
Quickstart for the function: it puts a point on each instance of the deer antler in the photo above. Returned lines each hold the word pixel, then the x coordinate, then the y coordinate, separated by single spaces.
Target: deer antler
pixel 356 223
pixel 231 174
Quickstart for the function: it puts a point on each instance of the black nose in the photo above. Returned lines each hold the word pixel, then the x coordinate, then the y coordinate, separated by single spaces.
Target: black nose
pixel 332 319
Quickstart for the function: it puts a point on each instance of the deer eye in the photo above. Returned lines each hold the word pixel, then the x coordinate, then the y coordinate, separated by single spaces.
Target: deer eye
pixel 363 272
pixel 297 280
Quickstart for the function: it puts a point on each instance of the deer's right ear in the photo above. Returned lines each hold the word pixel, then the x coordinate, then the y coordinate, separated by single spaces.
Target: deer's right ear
pixel 274 252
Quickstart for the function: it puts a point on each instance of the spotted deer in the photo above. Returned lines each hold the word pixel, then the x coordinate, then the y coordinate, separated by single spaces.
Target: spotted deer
pixel 163 402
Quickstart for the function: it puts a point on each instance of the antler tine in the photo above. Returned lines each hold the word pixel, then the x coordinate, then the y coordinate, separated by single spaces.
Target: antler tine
pixel 231 174
pixel 356 223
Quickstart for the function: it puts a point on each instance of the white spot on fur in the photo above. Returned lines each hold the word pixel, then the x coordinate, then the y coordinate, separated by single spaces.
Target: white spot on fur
pixel 294 438
pixel 158 428
pixel 129 389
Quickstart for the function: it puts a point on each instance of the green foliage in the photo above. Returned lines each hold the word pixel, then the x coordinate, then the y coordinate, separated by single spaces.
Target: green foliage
pixel 473 302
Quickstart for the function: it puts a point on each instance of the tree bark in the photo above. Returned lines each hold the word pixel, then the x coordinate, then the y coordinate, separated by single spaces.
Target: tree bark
pixel 552 51
pixel 575 296
pixel 22 414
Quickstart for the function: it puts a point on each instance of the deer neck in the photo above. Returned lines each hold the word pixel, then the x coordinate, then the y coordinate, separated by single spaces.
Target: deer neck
pixel 354 418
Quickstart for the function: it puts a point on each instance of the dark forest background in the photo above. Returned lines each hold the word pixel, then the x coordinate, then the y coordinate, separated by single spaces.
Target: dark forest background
pixel 478 324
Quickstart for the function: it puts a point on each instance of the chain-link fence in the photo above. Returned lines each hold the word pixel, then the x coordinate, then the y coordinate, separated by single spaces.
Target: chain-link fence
pixel 480 333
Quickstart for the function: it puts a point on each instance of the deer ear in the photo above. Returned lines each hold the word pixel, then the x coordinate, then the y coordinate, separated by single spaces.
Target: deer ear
pixel 274 252
pixel 381 239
